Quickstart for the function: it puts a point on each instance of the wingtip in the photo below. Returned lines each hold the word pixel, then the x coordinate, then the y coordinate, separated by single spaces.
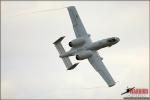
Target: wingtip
pixel 71 7
pixel 112 85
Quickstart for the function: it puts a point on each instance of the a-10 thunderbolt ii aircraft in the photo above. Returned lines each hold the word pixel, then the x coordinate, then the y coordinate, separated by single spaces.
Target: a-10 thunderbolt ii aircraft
pixel 83 48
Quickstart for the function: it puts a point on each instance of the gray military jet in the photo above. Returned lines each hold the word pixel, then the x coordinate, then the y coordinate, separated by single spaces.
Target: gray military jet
pixel 83 48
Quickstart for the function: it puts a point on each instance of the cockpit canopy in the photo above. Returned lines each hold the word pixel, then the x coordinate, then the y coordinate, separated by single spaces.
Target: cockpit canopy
pixel 112 40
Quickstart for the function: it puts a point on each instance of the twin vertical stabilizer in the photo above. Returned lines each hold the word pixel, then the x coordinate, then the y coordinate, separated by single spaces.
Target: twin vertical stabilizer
pixel 61 51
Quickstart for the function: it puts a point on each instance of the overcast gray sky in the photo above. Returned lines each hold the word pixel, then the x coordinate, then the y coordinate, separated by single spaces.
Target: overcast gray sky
pixel 30 64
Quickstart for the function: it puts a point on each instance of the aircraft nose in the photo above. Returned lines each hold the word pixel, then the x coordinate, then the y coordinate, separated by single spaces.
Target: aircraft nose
pixel 117 39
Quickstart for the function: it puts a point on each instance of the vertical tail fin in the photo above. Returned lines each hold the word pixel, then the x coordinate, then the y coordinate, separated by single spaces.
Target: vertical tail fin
pixel 61 51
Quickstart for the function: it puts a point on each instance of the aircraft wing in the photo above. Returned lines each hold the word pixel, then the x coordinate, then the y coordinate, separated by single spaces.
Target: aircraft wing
pixel 76 22
pixel 96 61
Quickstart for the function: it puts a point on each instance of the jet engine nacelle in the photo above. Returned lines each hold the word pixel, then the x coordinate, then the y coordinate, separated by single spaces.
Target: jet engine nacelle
pixel 77 42
pixel 84 55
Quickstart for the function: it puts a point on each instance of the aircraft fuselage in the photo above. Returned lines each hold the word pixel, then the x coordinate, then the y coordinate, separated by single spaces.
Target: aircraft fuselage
pixel 86 45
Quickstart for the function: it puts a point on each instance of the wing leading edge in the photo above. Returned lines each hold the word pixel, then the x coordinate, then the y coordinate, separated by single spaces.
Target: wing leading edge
pixel 96 61
pixel 76 22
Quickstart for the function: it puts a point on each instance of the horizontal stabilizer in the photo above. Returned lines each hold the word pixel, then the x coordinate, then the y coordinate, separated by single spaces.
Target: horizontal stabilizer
pixel 61 51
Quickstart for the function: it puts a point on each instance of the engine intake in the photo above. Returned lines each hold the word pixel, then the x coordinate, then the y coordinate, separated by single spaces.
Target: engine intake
pixel 77 42
pixel 84 55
